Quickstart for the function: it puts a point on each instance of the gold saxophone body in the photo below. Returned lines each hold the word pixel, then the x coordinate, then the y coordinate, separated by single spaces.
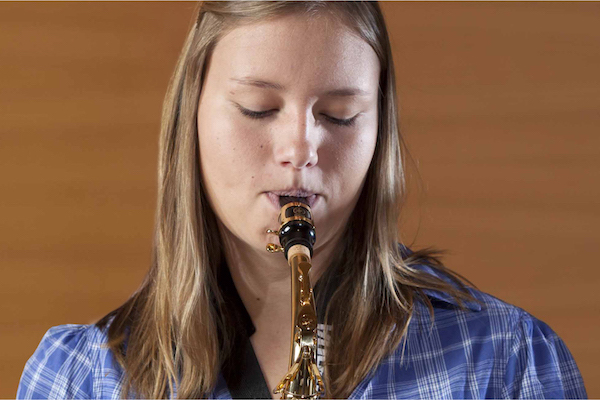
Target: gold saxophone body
pixel 297 236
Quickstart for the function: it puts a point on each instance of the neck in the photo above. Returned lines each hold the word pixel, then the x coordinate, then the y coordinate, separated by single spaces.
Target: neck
pixel 262 279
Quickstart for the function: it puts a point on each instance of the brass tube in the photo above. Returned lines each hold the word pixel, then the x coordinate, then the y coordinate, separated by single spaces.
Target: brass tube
pixel 303 379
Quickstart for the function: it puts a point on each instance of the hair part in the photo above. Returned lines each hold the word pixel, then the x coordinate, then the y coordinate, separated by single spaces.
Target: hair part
pixel 173 335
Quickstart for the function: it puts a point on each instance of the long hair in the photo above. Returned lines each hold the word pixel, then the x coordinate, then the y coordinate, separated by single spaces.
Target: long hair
pixel 172 335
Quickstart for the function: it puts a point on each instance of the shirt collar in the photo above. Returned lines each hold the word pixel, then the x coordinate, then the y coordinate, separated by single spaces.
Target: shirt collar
pixel 443 297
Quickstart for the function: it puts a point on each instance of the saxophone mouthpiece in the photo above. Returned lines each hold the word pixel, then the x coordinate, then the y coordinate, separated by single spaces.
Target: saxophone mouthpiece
pixel 283 200
pixel 297 227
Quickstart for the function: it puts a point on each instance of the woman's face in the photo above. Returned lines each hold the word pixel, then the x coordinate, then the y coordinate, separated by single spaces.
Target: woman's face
pixel 287 105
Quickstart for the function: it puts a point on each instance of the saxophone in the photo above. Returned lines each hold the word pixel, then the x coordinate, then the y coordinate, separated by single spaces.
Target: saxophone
pixel 297 236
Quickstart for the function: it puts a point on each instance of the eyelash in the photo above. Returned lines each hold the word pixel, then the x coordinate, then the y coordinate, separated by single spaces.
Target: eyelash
pixel 263 114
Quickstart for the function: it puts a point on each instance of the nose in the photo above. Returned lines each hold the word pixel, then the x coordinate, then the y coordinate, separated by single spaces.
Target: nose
pixel 297 142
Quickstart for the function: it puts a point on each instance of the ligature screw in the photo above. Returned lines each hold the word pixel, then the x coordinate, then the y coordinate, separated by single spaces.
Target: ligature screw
pixel 273 232
pixel 274 248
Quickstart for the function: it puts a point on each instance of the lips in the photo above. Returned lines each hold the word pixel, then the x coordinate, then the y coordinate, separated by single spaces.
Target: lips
pixel 293 192
pixel 273 196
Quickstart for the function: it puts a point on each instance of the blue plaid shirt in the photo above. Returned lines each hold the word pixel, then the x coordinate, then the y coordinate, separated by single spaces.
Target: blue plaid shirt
pixel 496 351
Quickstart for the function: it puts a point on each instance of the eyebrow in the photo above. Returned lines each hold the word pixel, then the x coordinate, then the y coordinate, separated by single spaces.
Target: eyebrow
pixel 342 92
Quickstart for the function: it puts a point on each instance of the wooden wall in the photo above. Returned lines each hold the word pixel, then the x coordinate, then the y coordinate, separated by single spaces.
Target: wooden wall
pixel 500 105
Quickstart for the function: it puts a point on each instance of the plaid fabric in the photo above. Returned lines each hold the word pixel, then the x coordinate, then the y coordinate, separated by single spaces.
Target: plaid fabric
pixel 496 351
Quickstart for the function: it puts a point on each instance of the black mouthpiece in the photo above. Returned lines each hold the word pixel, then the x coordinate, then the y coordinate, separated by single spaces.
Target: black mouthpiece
pixel 283 200
pixel 297 225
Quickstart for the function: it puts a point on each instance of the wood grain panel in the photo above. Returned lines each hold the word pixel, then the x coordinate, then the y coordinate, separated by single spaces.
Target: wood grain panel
pixel 499 104
pixel 80 97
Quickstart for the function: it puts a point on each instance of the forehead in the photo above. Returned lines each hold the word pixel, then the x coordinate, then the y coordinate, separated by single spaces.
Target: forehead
pixel 296 51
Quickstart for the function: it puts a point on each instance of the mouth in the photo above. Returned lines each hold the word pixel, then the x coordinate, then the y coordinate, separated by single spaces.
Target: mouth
pixel 276 197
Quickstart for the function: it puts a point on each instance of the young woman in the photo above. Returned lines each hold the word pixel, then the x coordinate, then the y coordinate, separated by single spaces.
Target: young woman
pixel 274 99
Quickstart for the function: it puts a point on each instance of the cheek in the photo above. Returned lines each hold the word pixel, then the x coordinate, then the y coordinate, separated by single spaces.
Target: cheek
pixel 364 147
pixel 356 167
pixel 228 155
pixel 351 159
pixel 363 152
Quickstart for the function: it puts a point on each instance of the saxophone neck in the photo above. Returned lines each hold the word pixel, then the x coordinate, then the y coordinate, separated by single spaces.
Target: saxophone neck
pixel 297 236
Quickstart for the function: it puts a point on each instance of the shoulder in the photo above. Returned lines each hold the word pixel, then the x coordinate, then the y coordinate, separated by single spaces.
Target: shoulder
pixel 538 362
pixel 524 357
pixel 71 361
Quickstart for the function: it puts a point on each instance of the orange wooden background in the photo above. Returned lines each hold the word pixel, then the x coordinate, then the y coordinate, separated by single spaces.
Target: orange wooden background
pixel 500 105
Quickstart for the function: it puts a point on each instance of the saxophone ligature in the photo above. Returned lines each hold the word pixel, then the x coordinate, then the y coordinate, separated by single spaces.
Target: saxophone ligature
pixel 297 237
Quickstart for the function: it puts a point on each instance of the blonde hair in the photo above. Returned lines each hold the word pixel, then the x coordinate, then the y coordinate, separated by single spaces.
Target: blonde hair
pixel 173 335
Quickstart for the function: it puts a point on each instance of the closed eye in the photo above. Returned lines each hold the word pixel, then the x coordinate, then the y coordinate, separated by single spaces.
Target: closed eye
pixel 341 122
pixel 267 113
pixel 255 114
